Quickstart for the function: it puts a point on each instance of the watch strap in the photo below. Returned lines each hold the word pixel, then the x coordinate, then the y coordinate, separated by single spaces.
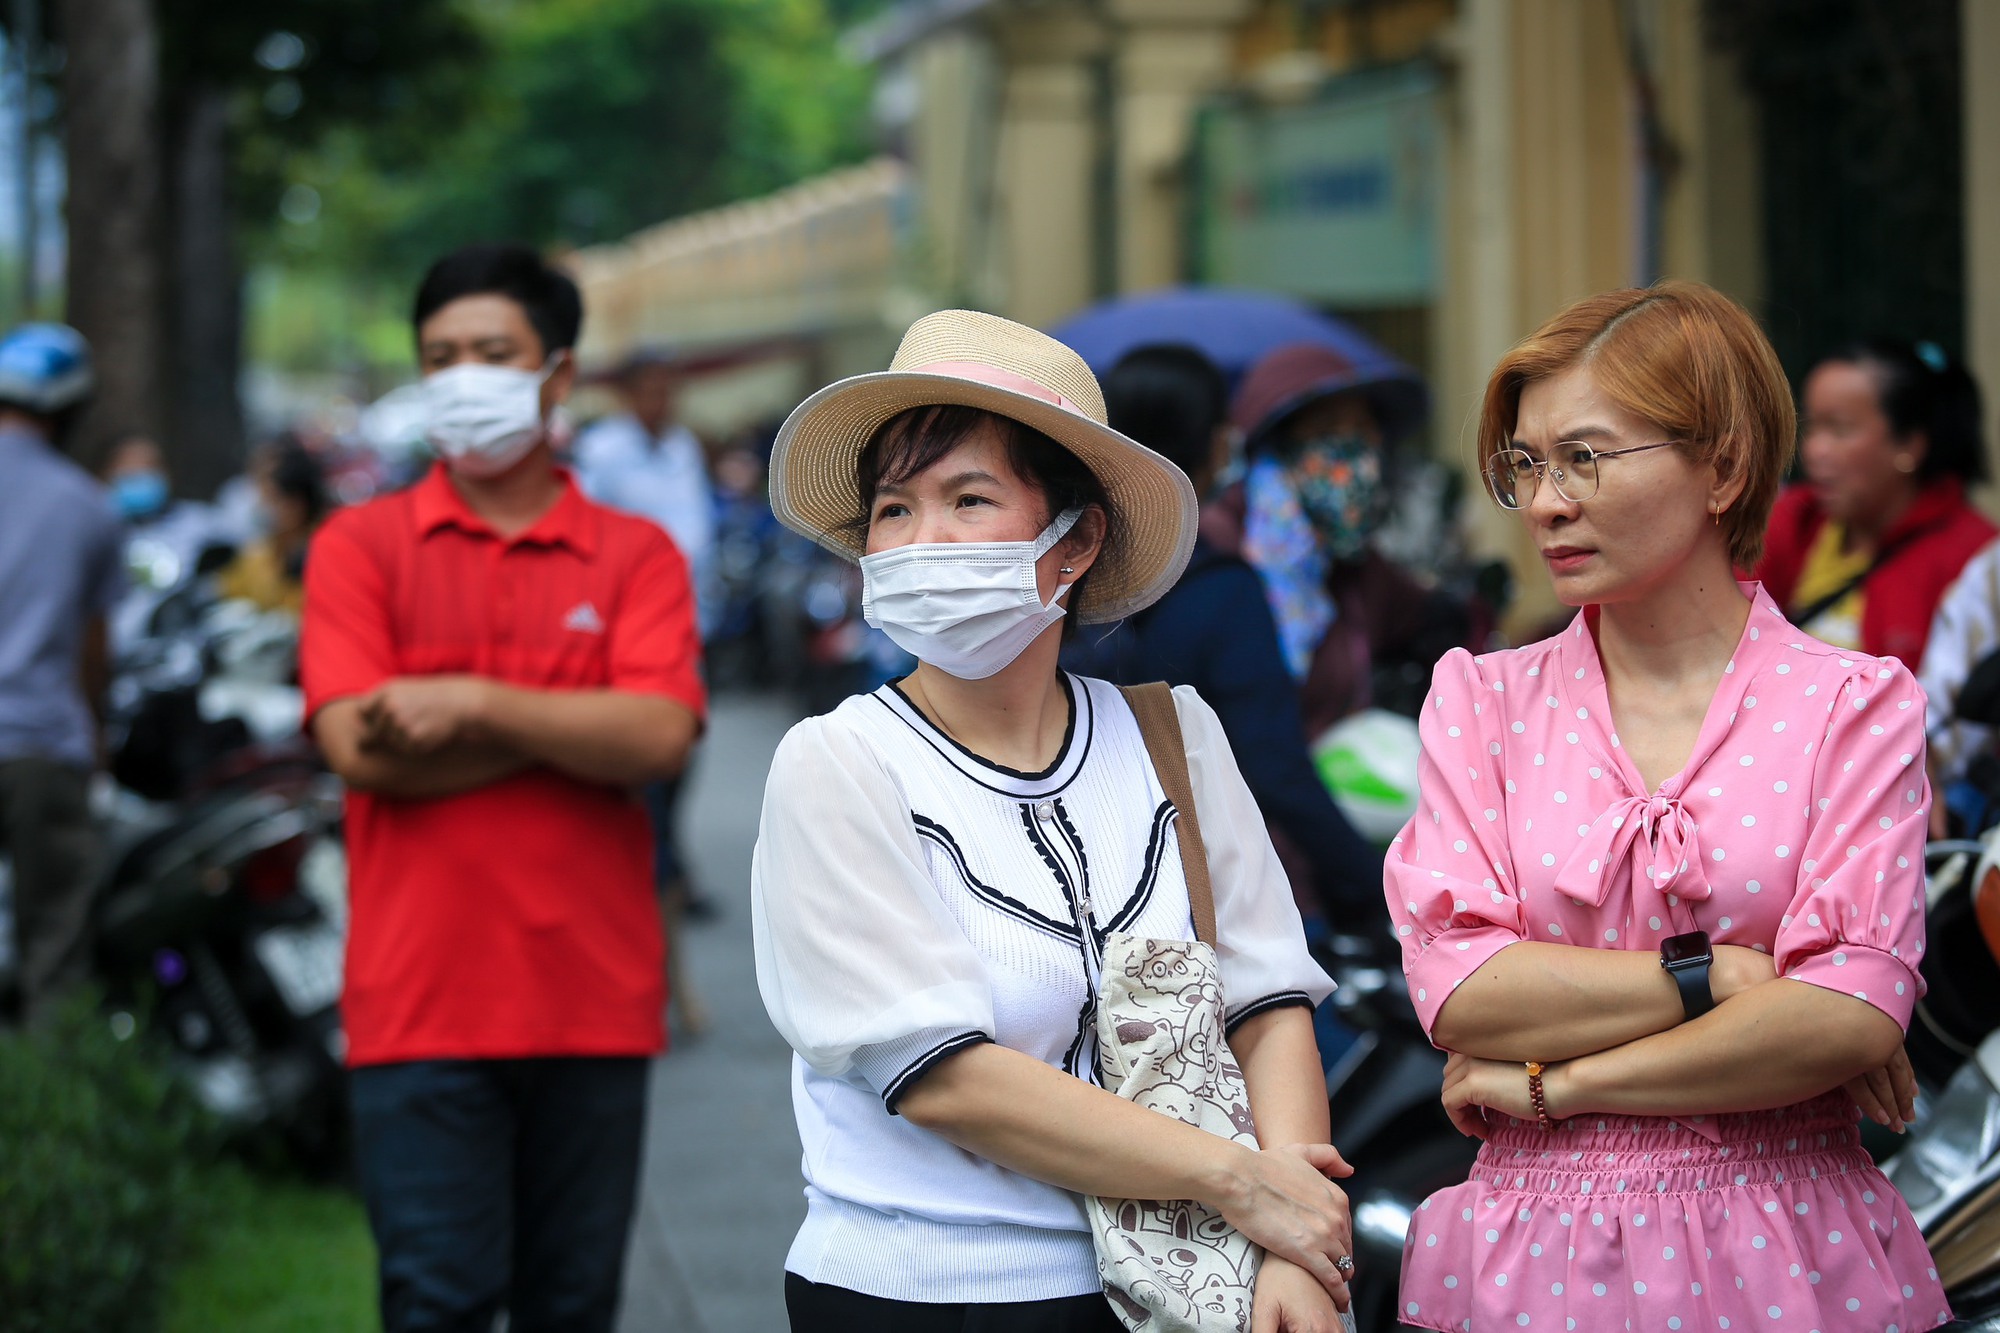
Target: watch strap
pixel 1691 977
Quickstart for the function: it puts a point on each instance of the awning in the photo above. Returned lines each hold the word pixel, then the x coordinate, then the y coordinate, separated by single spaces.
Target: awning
pixel 815 258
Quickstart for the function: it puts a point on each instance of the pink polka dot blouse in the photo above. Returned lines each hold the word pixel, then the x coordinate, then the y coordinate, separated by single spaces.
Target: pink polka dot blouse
pixel 1797 828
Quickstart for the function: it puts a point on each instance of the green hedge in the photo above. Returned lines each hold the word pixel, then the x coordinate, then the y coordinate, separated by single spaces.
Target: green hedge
pixel 101 1170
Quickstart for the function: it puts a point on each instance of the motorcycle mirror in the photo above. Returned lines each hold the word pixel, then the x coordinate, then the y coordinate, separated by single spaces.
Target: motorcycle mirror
pixel 213 558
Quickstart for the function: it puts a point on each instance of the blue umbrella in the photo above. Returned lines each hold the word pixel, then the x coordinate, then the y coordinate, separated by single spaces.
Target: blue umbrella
pixel 1235 330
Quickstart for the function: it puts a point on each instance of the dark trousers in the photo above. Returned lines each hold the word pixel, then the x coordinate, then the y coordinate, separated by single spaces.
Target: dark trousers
pixel 661 799
pixel 45 826
pixel 500 1184
pixel 816 1308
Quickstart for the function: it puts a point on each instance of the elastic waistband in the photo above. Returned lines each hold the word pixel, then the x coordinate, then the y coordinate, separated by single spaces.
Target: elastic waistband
pixel 1610 1154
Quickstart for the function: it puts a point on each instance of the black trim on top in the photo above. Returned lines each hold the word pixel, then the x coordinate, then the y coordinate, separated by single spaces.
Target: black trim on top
pixel 924 1063
pixel 1075 894
pixel 1156 847
pixel 1085 1040
pixel 1078 701
pixel 1284 999
pixel 940 835
pixel 1062 751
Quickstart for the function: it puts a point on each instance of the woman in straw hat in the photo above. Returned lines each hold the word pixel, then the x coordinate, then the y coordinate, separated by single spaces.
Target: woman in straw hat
pixel 940 861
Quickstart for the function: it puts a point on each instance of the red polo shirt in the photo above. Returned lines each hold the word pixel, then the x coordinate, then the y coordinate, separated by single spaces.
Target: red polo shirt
pixel 517 919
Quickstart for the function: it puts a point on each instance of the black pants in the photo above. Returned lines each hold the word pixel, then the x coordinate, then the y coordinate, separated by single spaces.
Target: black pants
pixel 661 799
pixel 815 1308
pixel 500 1184
pixel 45 826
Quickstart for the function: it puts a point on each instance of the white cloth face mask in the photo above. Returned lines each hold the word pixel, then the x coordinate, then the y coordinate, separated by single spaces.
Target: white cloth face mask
pixel 967 608
pixel 484 419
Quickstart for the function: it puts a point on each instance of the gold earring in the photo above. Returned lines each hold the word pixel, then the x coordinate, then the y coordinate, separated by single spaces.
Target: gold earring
pixel 1716 514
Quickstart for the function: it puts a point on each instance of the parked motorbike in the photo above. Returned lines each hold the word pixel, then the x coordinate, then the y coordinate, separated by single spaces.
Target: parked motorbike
pixel 1949 1170
pixel 225 924
pixel 1387 1116
pixel 222 913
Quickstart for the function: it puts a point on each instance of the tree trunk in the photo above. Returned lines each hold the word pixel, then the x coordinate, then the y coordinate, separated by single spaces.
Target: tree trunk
pixel 205 313
pixel 110 85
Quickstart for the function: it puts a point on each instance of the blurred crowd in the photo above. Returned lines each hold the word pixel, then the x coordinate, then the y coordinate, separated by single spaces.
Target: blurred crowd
pixel 1329 574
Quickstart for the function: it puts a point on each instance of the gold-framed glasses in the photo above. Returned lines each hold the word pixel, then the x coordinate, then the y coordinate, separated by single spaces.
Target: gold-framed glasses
pixel 1572 466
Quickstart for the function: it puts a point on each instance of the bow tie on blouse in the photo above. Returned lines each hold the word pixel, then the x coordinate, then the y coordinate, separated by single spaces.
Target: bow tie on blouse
pixel 1672 850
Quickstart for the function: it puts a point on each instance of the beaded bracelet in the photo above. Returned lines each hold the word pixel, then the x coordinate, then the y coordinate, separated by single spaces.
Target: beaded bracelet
pixel 1540 1103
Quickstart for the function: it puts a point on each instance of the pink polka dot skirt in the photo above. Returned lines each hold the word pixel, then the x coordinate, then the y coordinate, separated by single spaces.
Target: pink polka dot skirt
pixel 1630 1222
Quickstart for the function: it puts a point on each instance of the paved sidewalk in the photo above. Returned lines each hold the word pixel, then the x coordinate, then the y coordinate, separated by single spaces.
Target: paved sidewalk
pixel 721 1194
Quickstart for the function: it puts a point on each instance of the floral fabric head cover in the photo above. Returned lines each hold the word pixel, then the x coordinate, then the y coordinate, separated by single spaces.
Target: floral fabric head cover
pixel 1339 484
pixel 1279 541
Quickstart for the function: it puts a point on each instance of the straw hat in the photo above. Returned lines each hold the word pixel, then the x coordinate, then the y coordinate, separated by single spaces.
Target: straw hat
pixel 969 359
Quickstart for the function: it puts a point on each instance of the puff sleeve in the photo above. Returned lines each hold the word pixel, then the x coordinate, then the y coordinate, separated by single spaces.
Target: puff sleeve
pixel 1856 920
pixel 1260 941
pixel 1448 876
pixel 861 966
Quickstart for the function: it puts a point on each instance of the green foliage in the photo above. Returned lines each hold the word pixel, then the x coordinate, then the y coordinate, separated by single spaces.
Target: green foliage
pixel 283 1257
pixel 100 1167
pixel 584 121
pixel 296 74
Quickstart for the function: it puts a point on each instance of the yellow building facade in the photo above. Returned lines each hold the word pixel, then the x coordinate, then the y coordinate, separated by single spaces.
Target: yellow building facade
pixel 1057 153
pixel 1045 154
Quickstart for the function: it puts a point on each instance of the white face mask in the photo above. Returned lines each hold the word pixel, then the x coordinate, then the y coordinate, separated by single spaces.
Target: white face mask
pixel 966 608
pixel 484 419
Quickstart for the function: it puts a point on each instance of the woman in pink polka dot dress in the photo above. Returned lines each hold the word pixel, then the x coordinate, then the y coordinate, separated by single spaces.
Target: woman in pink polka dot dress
pixel 1680 773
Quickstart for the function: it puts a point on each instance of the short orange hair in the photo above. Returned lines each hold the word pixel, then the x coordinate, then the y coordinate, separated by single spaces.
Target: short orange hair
pixel 1684 357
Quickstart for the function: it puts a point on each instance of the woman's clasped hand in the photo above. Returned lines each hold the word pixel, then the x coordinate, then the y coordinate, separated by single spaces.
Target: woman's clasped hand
pixel 1286 1201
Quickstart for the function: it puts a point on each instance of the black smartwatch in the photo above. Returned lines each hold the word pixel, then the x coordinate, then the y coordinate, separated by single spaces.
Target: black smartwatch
pixel 1687 959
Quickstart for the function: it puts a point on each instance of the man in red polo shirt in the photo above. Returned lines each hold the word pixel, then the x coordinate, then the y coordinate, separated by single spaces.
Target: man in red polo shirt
pixel 495 664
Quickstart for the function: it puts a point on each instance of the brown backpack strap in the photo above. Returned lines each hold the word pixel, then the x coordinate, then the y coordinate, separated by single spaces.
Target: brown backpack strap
pixel 1160 724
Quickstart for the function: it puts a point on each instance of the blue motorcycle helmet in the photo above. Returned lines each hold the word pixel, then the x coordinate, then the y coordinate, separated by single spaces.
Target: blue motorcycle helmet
pixel 45 369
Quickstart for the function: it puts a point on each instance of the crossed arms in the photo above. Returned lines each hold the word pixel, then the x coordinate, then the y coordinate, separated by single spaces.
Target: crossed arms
pixel 418 737
pixel 1608 1023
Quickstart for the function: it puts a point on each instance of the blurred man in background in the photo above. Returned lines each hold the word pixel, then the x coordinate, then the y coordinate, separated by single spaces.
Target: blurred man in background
pixel 61 568
pixel 493 663
pixel 142 489
pixel 643 461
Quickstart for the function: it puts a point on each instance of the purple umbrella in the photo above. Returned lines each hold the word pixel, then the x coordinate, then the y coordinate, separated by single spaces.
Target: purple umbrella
pixel 1236 329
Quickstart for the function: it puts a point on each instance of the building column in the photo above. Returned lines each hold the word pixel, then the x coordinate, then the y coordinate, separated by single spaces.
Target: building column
pixel 1714 212
pixel 1048 152
pixel 1980 47
pixel 1478 309
pixel 1543 210
pixel 1169 56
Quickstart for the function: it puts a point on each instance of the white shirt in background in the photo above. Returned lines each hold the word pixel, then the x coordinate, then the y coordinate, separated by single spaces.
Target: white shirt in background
pixel 1965 629
pixel 621 464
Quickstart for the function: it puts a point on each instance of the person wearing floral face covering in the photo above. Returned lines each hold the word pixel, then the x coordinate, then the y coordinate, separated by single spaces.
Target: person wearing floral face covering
pixel 1312 499
pixel 495 664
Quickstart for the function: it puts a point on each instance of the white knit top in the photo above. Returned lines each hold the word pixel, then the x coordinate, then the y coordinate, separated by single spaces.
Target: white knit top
pixel 910 899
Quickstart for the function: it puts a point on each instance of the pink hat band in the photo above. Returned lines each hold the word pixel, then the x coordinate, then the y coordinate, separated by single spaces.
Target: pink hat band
pixel 996 378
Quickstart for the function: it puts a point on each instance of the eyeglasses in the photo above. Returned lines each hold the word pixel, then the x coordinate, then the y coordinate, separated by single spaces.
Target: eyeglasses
pixel 1512 475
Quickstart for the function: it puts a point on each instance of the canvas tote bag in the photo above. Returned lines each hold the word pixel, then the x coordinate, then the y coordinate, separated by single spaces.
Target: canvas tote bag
pixel 1172 1266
